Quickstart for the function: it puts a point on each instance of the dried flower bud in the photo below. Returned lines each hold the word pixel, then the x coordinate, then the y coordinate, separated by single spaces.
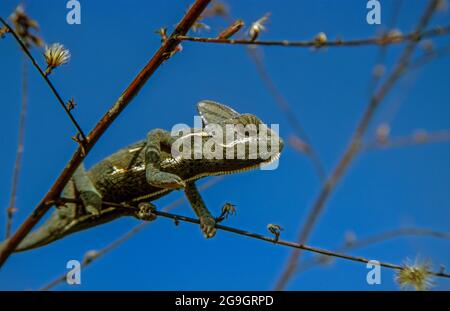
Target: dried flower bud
pixel 416 276
pixel 217 9
pixel 162 32
pixel 420 136
pixel 3 31
pixel 257 27
pixel 427 46
pixel 379 70
pixel 55 56
pixel 71 104
pixel 350 238
pixel 394 36
pixel 320 39
pixel 90 255
pixel 199 26
pixel 275 230
pixel 382 133
pixel 231 30
pixel 23 24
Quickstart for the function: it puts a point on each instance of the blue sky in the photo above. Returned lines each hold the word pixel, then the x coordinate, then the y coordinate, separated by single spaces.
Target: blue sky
pixel 327 90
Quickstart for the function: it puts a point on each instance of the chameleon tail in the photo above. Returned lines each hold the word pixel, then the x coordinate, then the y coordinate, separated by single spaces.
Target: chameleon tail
pixel 53 227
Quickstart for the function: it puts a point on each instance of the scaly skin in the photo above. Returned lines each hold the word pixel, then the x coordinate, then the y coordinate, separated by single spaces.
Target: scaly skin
pixel 146 171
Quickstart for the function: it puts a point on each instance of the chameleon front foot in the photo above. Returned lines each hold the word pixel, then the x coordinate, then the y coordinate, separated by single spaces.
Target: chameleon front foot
pixel 227 209
pixel 146 211
pixel 208 226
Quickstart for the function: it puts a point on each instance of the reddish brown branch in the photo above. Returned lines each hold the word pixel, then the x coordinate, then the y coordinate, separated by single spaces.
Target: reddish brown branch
pixel 353 148
pixel 130 92
pixel 379 40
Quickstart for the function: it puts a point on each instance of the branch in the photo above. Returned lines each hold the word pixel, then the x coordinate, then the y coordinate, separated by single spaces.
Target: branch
pixel 177 218
pixel 45 77
pixel 420 137
pixel 379 40
pixel 353 147
pixel 378 238
pixel 19 153
pixel 130 92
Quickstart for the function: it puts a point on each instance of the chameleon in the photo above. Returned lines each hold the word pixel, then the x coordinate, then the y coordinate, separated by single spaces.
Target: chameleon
pixel 149 169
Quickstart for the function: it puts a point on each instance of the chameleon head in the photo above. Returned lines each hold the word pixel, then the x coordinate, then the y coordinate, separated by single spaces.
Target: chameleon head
pixel 236 142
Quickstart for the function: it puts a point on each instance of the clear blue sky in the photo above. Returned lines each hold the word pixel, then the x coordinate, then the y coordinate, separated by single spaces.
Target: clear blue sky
pixel 381 191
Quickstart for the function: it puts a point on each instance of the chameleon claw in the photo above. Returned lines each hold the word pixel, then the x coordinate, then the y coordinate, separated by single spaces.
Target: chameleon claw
pixel 227 209
pixel 275 230
pixel 208 226
pixel 146 211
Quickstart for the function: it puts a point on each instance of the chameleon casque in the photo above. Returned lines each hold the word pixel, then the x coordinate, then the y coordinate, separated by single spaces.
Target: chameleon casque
pixel 148 170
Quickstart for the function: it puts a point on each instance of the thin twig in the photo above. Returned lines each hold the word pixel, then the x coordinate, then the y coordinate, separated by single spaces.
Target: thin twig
pixel 378 238
pixel 12 209
pixel 353 148
pixel 238 231
pixel 378 40
pixel 136 229
pixel 382 51
pixel 45 77
pixel 163 53
pixel 419 138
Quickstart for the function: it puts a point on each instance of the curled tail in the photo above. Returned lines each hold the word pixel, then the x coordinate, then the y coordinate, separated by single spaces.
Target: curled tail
pixel 52 229
pixel 45 234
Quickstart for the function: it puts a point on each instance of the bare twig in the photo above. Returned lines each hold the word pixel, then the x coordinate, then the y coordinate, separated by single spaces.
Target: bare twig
pixel 26 50
pixel 132 90
pixel 382 51
pixel 378 238
pixel 136 229
pixel 19 153
pixel 178 218
pixel 353 147
pixel 379 40
pixel 420 137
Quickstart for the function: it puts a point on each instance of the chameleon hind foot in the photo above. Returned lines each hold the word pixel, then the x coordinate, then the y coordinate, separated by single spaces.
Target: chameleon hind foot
pixel 208 226
pixel 146 211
